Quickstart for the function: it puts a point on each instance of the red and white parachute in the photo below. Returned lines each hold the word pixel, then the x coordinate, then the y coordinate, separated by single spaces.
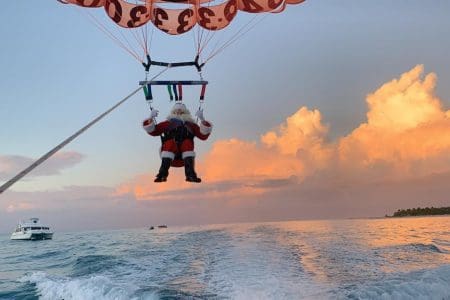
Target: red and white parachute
pixel 175 17
pixel 204 13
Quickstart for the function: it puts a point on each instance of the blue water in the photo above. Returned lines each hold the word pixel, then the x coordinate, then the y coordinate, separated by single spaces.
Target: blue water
pixel 405 258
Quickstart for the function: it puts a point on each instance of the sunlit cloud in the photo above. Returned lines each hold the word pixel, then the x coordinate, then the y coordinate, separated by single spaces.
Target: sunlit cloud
pixel 406 135
pixel 407 132
pixel 10 165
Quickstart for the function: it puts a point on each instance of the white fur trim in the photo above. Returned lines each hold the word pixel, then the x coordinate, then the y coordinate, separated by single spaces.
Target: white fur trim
pixel 167 154
pixel 205 129
pixel 188 154
pixel 187 117
pixel 150 127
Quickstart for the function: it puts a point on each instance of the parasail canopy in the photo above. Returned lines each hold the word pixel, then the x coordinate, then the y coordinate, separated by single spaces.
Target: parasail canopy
pixel 182 15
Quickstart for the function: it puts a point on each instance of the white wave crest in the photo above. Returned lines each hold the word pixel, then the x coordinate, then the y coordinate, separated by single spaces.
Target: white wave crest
pixel 430 284
pixel 89 288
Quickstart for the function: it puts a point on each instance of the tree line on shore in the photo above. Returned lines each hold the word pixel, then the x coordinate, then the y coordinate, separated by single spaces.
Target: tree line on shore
pixel 427 211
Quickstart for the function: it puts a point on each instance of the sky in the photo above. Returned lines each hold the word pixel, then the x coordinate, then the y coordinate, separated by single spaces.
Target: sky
pixel 329 109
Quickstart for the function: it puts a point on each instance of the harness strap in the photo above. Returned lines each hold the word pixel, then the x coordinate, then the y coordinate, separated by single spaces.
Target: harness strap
pixel 169 89
pixel 194 63
pixel 180 92
pixel 174 87
pixel 202 95
pixel 148 92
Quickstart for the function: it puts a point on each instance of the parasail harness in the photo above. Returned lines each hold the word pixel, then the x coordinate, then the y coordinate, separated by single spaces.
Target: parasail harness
pixel 177 130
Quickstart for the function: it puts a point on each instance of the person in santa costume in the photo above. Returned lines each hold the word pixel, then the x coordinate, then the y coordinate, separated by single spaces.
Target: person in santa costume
pixel 177 135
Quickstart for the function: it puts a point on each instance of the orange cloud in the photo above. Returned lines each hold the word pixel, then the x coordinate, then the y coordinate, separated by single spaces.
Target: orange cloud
pixel 407 131
pixel 407 134
pixel 143 187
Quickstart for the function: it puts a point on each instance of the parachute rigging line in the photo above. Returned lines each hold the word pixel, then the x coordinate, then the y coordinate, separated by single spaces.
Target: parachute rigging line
pixel 123 42
pixel 43 158
pixel 114 38
pixel 238 35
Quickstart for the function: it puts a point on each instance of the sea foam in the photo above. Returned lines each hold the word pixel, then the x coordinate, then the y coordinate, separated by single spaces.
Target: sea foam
pixel 89 288
pixel 426 284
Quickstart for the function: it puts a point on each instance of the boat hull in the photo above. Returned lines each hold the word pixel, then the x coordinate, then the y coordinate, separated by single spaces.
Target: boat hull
pixel 32 236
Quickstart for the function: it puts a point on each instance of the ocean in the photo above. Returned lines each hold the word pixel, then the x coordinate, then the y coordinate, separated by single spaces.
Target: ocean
pixel 392 258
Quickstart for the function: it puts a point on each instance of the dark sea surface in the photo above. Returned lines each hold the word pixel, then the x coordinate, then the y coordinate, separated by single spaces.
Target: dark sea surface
pixel 405 258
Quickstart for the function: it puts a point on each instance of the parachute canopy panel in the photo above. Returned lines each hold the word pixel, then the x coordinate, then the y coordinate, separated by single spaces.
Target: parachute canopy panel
pixel 167 15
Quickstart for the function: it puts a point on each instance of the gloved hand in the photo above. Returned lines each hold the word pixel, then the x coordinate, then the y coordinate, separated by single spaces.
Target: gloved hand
pixel 199 115
pixel 154 113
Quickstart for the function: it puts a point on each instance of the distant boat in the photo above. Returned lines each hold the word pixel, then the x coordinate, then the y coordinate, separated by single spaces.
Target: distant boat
pixel 32 229
pixel 159 226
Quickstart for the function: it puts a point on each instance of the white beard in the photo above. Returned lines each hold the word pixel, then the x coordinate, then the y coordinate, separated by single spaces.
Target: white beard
pixel 186 117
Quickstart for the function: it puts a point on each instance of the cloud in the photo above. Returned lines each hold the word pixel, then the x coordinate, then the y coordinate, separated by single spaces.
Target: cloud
pixel 406 135
pixel 10 165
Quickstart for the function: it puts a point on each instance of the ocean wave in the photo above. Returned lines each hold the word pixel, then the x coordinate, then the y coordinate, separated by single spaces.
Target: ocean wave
pixel 415 247
pixel 425 247
pixel 94 264
pixel 426 284
pixel 49 254
pixel 87 288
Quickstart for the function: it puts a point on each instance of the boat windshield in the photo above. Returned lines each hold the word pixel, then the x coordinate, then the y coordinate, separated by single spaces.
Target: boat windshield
pixel 34 228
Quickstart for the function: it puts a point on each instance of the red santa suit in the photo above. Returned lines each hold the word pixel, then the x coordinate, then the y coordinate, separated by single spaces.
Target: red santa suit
pixel 178 133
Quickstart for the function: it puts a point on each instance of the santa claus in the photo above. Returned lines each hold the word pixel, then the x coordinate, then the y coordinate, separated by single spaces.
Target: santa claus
pixel 177 135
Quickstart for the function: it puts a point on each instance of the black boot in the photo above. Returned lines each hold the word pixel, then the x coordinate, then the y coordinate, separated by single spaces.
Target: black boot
pixel 163 170
pixel 189 170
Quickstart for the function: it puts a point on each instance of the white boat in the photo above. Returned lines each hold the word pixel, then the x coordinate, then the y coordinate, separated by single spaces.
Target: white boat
pixel 32 229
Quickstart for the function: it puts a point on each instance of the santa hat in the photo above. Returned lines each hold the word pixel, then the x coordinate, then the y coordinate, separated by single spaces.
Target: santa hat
pixel 180 106
pixel 185 116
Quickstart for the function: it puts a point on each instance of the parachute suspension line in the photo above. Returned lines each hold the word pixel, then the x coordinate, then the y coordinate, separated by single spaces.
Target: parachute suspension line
pixel 144 33
pixel 108 33
pixel 199 37
pixel 139 41
pixel 204 40
pixel 239 34
pixel 133 32
pixel 151 36
pixel 124 42
pixel 209 33
pixel 145 39
pixel 195 35
pixel 210 36
pixel 236 36
pixel 43 158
